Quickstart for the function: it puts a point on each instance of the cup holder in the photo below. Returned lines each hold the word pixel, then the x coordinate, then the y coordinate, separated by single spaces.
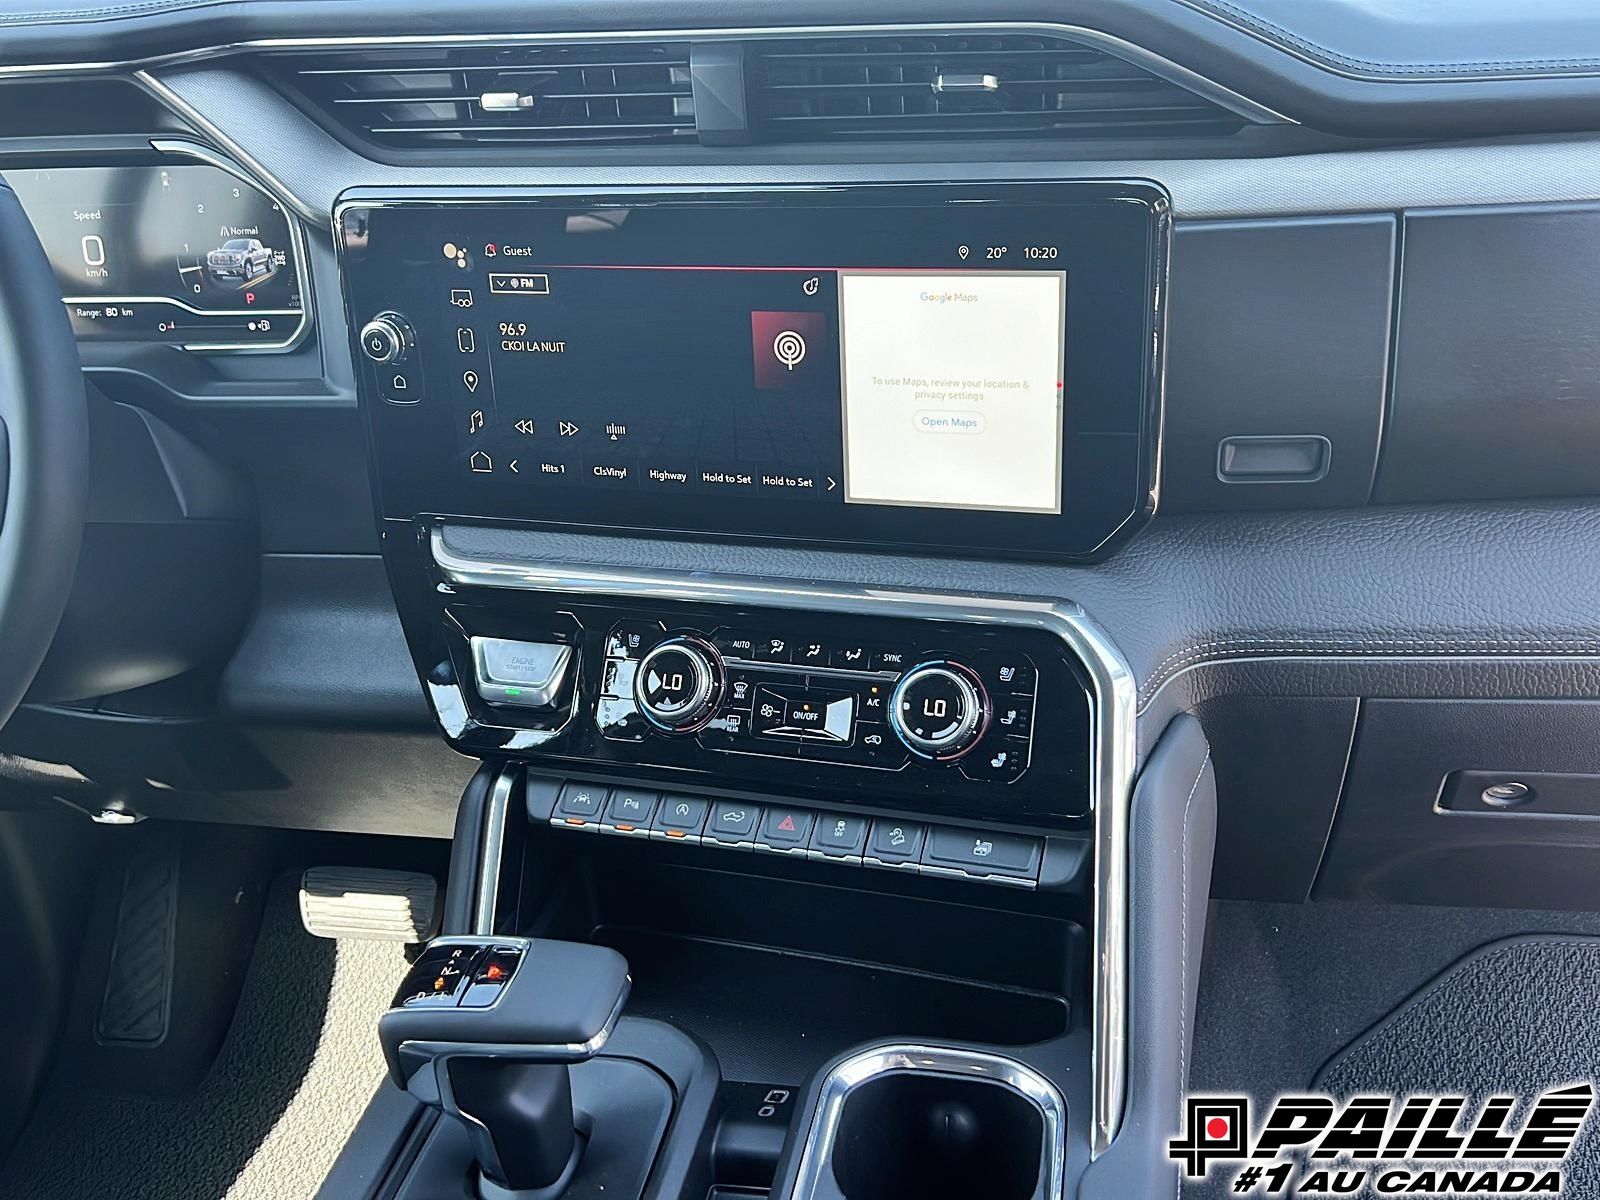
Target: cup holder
pixel 909 1137
pixel 920 1123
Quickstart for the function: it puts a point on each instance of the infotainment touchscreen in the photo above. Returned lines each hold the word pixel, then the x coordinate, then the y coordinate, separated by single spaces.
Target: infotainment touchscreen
pixel 911 365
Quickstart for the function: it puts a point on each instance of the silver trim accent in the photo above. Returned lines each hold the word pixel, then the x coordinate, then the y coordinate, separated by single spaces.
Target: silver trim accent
pixel 394 337
pixel 879 1061
pixel 1112 750
pixel 504 101
pixel 1157 64
pixel 494 839
pixel 256 173
pixel 957 85
pixel 184 148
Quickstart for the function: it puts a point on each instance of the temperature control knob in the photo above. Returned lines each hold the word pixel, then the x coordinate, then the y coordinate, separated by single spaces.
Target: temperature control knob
pixel 939 710
pixel 386 338
pixel 678 684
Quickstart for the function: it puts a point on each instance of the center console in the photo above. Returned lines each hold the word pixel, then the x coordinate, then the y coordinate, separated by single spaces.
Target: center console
pixel 867 847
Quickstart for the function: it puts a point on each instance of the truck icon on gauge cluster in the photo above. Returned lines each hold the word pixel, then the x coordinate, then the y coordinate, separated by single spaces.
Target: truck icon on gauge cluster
pixel 245 258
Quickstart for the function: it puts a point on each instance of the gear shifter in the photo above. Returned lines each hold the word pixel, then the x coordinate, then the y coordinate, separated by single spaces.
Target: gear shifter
pixel 486 1028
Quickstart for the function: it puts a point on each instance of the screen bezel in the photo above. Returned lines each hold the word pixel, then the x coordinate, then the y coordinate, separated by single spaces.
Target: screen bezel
pixel 406 473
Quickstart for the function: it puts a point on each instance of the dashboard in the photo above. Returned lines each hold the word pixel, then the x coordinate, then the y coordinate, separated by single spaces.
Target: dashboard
pixel 857 443
pixel 1146 313
pixel 1233 324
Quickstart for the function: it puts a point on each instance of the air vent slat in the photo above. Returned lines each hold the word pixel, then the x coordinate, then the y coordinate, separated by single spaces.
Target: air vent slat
pixel 798 89
pixel 437 96
pixel 1010 85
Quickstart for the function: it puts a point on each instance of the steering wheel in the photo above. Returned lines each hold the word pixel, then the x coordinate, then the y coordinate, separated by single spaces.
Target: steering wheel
pixel 44 454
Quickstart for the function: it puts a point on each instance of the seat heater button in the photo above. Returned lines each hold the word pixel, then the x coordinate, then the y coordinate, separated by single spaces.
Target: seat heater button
pixel 979 852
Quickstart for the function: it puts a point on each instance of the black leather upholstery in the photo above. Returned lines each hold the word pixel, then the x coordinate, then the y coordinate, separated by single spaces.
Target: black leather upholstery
pixel 1462 39
pixel 45 416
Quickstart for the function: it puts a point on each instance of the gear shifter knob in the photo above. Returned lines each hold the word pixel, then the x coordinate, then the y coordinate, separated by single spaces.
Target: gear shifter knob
pixel 484 1028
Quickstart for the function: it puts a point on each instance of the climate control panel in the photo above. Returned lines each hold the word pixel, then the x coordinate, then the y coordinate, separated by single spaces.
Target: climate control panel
pixel 939 717
pixel 852 703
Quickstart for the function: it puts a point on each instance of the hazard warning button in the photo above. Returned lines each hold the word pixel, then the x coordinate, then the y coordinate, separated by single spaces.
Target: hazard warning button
pixel 785 830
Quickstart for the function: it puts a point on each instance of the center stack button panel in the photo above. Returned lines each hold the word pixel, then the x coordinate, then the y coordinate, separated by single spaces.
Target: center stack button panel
pixel 860 704
pixel 972 721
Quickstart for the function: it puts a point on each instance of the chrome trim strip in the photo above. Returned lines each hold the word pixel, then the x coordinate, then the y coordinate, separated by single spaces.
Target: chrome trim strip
pixel 176 303
pixel 184 148
pixel 494 839
pixel 852 1073
pixel 252 168
pixel 1112 752
pixel 1174 72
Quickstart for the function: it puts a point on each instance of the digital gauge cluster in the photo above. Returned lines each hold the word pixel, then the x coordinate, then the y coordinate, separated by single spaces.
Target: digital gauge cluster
pixel 185 254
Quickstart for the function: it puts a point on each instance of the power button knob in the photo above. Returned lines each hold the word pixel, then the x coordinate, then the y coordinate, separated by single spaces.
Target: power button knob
pixel 386 338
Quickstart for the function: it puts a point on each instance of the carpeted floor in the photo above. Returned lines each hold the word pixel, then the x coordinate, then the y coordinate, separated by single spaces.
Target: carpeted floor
pixel 1287 987
pixel 1516 1018
pixel 293 1076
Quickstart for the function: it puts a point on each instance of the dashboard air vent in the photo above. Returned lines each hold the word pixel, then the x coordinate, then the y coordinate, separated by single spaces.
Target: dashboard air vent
pixel 439 97
pixel 995 85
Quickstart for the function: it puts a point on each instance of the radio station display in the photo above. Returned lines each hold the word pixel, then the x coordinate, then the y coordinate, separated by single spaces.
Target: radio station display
pixel 186 254
pixel 817 369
